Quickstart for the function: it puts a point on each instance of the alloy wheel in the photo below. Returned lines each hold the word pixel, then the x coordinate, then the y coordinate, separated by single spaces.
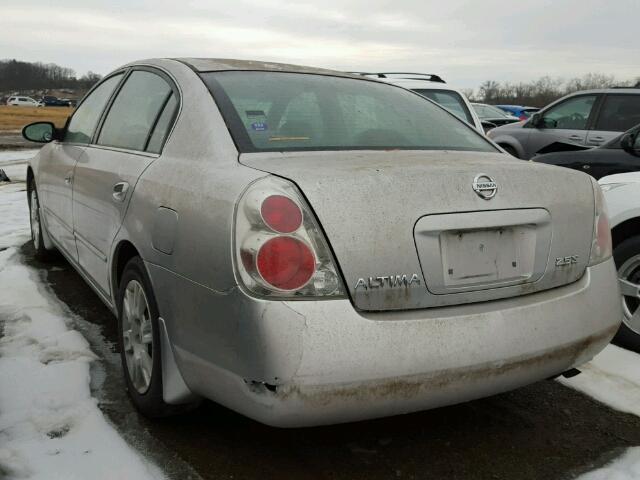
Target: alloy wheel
pixel 629 280
pixel 137 336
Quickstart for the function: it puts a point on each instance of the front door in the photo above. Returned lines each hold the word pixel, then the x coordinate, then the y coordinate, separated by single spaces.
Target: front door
pixel 129 139
pixel 55 177
pixel 56 173
pixel 566 122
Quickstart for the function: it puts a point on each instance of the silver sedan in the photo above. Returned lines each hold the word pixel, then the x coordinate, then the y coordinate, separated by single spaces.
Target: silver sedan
pixel 309 247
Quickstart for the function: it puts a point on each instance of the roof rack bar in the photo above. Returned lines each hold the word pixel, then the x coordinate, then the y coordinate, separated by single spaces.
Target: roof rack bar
pixel 432 77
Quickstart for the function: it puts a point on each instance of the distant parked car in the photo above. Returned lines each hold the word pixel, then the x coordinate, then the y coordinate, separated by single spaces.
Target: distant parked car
pixel 306 246
pixel 620 155
pixel 23 102
pixel 434 88
pixel 51 101
pixel 590 117
pixel 622 193
pixel 491 114
pixel 523 113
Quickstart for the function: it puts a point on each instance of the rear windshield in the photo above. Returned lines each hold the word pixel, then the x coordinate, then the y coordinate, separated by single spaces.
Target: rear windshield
pixel 276 111
pixel 489 111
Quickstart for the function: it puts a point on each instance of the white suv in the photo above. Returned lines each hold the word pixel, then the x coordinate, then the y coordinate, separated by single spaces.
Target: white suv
pixel 434 88
pixel 23 102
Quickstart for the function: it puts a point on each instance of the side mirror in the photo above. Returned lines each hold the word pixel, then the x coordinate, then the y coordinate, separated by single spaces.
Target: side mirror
pixel 41 132
pixel 630 143
pixel 535 120
pixel 486 126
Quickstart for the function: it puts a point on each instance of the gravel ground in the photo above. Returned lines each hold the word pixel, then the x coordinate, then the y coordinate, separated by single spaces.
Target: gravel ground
pixel 541 431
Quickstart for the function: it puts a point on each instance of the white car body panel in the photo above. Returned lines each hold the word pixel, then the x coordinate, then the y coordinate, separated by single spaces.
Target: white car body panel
pixel 623 201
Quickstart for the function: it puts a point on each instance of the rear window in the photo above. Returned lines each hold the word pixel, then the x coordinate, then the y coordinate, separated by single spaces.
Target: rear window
pixel 452 101
pixel 277 111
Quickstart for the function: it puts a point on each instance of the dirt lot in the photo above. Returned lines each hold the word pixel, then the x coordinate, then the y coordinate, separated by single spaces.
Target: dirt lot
pixel 12 118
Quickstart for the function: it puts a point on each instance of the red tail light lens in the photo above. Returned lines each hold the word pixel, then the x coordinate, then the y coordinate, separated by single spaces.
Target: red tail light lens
pixel 281 214
pixel 286 263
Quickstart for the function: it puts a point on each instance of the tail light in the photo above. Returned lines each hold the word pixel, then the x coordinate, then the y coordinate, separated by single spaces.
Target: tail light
pixel 280 249
pixel 601 246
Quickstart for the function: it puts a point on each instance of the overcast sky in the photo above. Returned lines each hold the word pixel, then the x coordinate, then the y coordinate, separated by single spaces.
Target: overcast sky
pixel 466 42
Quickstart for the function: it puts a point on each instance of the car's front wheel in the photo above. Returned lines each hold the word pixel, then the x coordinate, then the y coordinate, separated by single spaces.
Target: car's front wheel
pixel 627 258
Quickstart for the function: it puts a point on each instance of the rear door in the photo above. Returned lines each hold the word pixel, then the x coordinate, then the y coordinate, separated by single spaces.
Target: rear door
pixel 131 136
pixel 56 169
pixel 619 113
pixel 566 122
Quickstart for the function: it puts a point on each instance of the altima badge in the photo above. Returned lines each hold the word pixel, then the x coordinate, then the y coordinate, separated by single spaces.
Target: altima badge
pixel 390 281
pixel 484 186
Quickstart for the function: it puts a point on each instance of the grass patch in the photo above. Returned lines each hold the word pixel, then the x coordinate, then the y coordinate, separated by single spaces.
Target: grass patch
pixel 12 118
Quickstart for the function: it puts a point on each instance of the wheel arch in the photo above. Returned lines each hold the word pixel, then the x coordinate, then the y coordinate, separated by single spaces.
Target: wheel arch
pixel 624 230
pixel 124 251
pixel 30 179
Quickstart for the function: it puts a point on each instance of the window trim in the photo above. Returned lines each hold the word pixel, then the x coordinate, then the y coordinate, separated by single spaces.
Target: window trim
pixel 175 91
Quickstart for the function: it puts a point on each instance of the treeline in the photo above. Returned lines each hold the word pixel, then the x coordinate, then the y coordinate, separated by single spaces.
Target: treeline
pixel 543 91
pixel 17 75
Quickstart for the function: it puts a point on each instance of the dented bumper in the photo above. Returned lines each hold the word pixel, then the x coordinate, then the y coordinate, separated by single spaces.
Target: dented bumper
pixel 312 363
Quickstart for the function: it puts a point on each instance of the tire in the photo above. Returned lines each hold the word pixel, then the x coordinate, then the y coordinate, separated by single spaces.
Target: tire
pixel 510 150
pixel 140 351
pixel 35 221
pixel 627 257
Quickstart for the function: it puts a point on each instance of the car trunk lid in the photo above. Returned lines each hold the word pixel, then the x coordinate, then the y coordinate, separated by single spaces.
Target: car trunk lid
pixel 409 231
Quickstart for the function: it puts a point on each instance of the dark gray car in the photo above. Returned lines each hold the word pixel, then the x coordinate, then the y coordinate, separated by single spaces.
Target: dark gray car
pixel 590 117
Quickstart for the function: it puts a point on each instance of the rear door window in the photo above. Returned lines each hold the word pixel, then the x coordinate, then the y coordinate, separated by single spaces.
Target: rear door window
pixel 163 126
pixel 619 113
pixel 135 111
pixel 85 119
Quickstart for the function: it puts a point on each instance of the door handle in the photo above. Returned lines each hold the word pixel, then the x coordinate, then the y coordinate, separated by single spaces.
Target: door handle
pixel 68 178
pixel 120 191
pixel 575 137
pixel 596 140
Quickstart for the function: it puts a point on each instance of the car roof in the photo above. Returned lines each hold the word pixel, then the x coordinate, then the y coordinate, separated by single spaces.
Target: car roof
pixel 632 90
pixel 226 64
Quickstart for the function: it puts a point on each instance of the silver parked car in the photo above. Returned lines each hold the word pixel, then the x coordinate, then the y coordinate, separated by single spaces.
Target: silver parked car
pixel 588 118
pixel 308 247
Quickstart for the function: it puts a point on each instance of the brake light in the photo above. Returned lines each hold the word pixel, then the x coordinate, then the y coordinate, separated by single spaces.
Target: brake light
pixel 286 263
pixel 280 249
pixel 601 246
pixel 281 214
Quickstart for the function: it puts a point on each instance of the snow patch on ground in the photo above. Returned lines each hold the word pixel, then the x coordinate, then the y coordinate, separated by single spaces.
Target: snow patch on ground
pixel 50 425
pixel 613 378
pixel 14 163
pixel 12 155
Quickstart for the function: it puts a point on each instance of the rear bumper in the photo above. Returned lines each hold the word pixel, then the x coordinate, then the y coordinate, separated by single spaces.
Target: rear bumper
pixel 323 362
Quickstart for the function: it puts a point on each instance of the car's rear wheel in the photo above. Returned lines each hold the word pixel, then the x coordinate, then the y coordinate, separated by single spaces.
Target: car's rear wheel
pixel 627 258
pixel 139 340
pixel 35 221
